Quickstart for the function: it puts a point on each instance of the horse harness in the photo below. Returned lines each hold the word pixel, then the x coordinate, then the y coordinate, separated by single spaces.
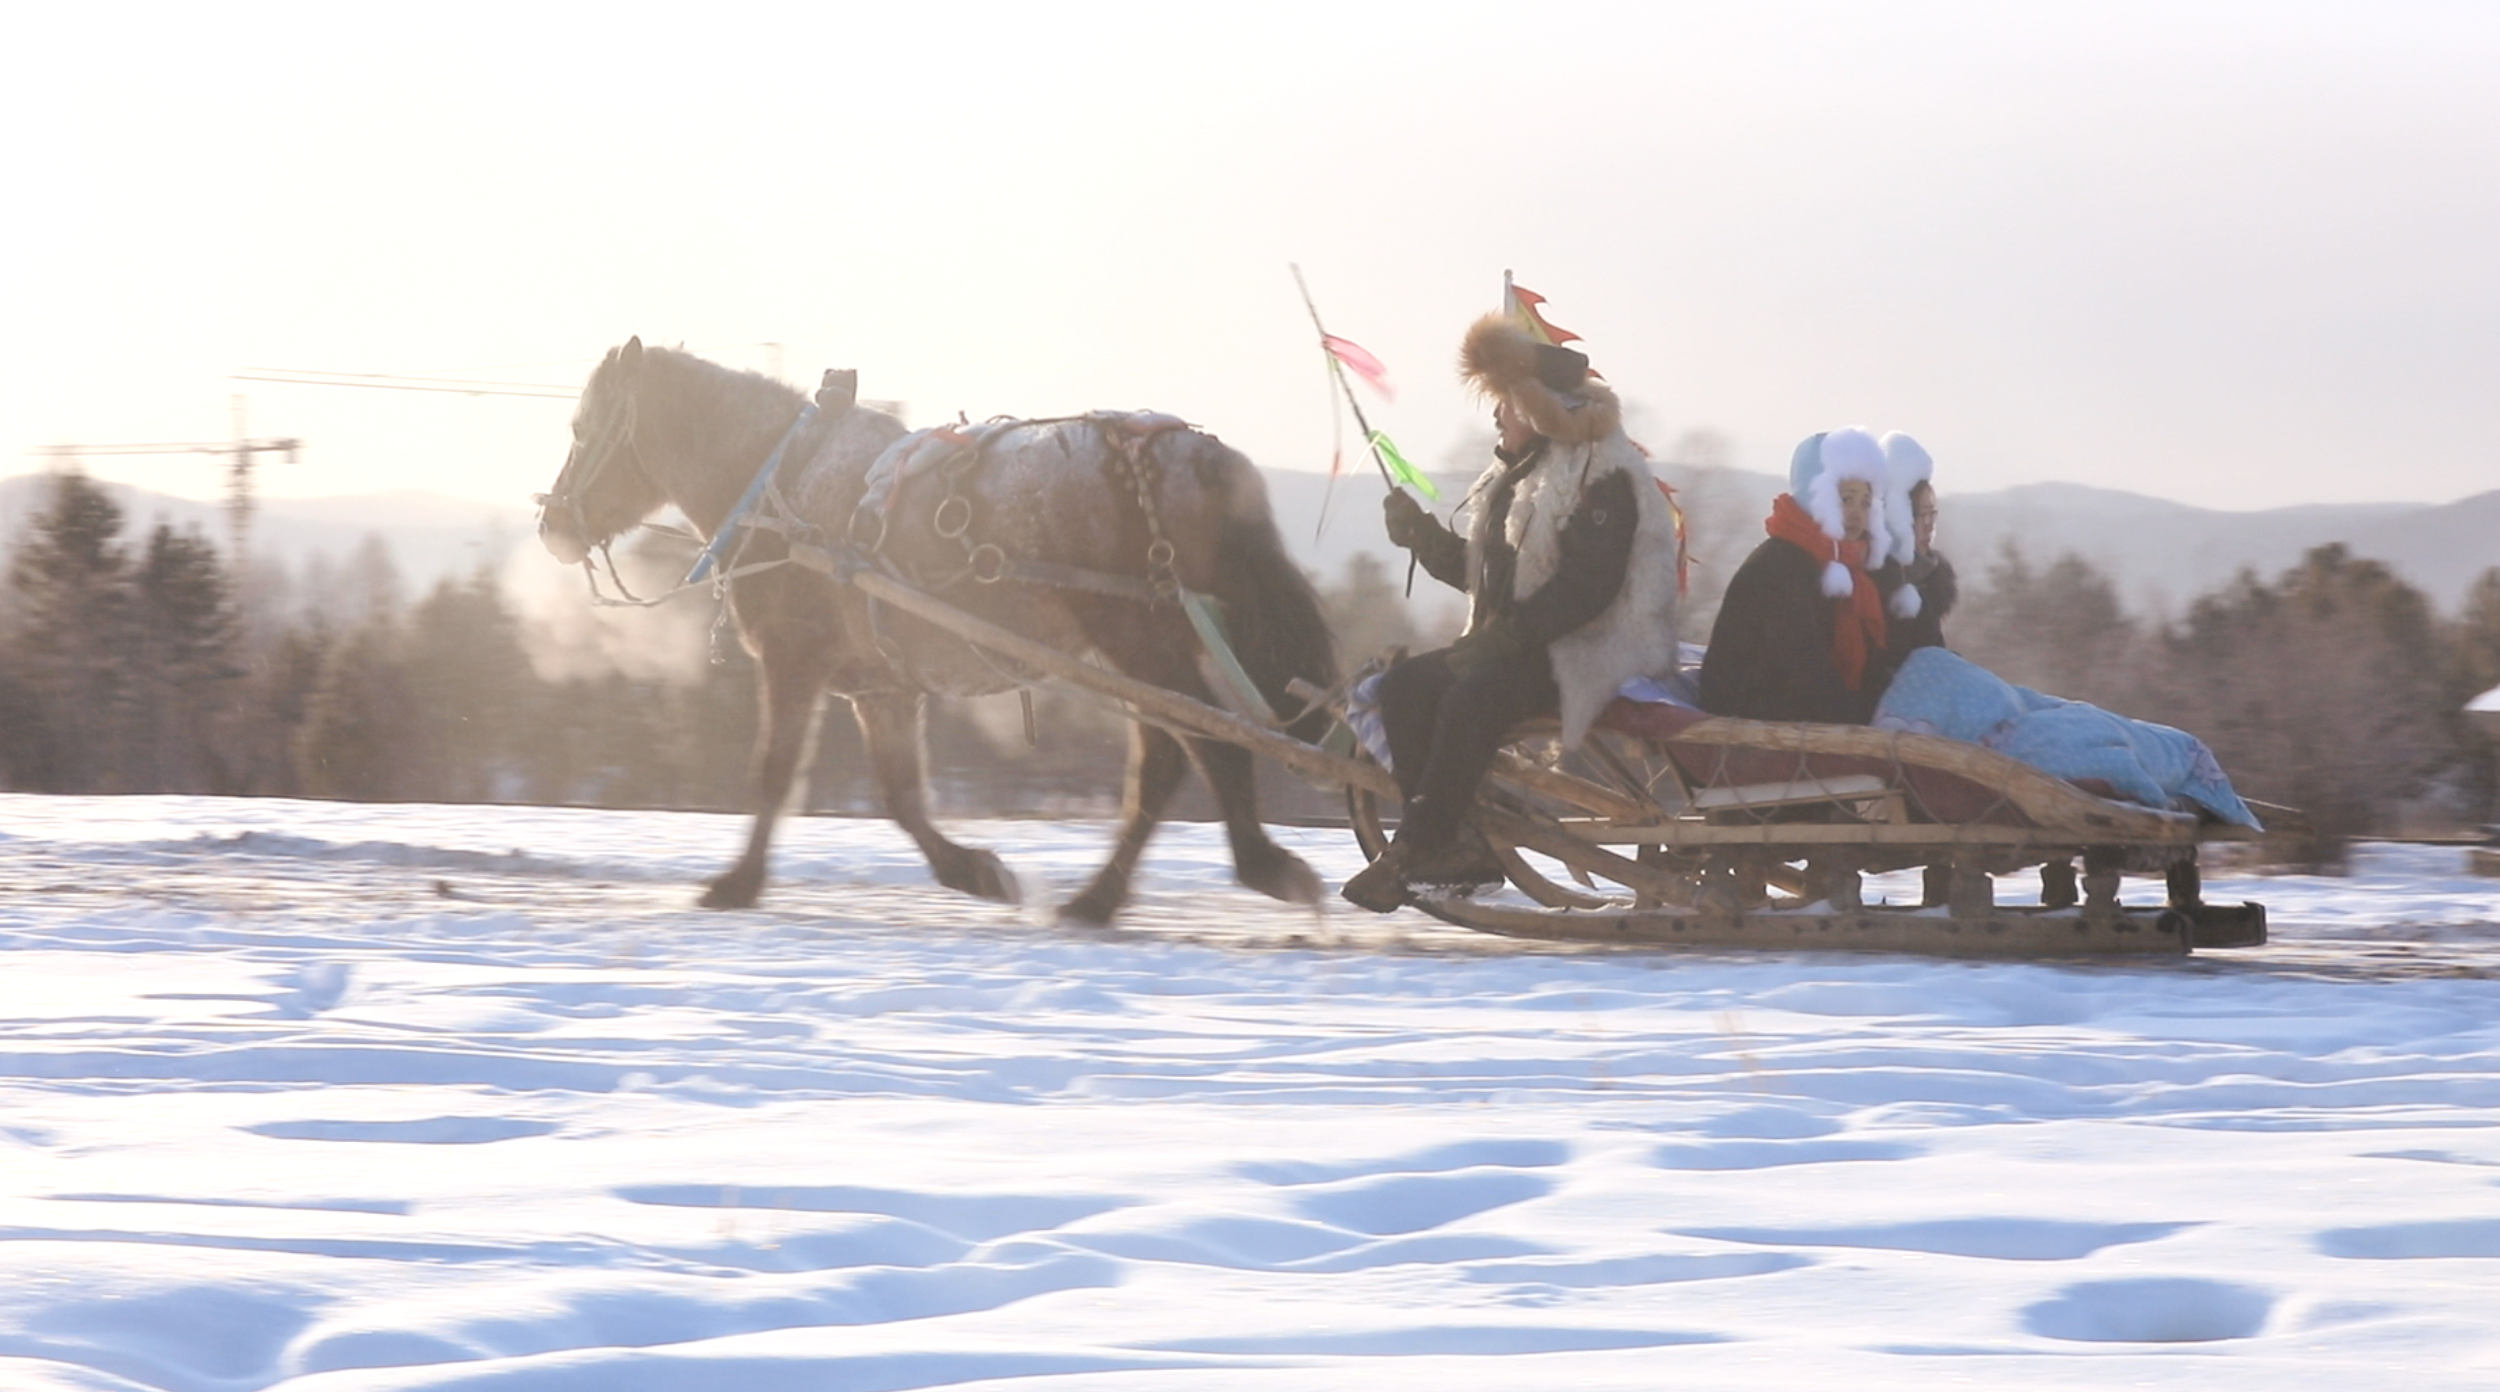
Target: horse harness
pixel 951 456
pixel 956 454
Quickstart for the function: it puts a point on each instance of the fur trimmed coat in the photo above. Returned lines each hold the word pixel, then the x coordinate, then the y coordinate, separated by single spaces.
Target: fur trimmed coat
pixel 1573 544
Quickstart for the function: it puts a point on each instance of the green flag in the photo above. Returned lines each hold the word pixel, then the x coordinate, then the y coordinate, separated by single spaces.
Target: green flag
pixel 1399 469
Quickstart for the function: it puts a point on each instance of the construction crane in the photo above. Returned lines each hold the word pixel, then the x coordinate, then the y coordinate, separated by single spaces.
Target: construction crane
pixel 240 454
pixel 243 452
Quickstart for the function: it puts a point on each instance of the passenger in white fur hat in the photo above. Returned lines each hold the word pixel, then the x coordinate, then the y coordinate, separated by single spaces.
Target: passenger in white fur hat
pixel 1920 581
pixel 1801 634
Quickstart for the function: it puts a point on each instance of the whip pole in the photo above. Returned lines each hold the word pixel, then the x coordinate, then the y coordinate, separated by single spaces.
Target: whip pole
pixel 1336 370
pixel 1345 388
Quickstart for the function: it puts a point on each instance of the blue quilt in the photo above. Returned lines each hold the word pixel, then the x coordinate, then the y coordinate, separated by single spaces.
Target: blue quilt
pixel 1938 693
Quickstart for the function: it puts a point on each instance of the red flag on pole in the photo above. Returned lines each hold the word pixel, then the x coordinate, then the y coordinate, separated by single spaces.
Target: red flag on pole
pixel 1360 362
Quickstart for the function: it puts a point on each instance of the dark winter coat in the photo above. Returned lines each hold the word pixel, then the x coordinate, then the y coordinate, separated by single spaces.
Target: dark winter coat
pixel 1770 654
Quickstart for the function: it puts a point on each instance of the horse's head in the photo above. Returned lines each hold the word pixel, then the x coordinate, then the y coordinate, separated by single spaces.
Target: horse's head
pixel 605 487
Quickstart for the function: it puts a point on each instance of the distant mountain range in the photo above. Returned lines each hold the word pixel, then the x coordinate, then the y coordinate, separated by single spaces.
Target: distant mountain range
pixel 2161 554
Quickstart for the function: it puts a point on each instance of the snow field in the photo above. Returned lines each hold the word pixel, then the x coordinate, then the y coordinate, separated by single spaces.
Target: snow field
pixel 314 1096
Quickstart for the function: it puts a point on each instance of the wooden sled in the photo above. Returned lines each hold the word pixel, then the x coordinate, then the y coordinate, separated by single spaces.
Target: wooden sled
pixel 1674 828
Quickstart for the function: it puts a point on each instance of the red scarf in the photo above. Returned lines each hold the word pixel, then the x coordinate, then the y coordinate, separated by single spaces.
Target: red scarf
pixel 1858 618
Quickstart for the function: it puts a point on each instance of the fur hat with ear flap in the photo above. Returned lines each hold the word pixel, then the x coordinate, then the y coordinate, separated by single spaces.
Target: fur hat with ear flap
pixel 1819 467
pixel 1907 464
pixel 1804 464
pixel 1548 385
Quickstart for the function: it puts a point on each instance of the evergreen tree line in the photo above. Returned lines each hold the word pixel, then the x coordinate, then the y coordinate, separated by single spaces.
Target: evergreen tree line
pixel 164 672
pixel 148 669
pixel 2333 687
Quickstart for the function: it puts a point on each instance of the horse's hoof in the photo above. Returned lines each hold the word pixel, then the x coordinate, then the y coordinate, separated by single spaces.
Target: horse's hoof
pixel 733 891
pixel 1285 877
pixel 983 875
pixel 1088 910
pixel 1099 903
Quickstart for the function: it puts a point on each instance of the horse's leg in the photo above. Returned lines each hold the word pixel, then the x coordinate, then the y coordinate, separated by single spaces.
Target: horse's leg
pixel 889 724
pixel 1155 766
pixel 1258 862
pixel 793 696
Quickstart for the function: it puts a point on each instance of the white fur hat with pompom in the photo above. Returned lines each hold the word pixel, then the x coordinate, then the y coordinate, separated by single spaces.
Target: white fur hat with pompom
pixel 1907 464
pixel 1815 473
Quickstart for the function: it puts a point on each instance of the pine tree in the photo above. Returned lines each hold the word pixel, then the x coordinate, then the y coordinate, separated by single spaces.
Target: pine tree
pixel 71 643
pixel 355 741
pixel 2477 636
pixel 472 687
pixel 184 633
pixel 30 758
pixel 2474 646
pixel 2324 690
pixel 1366 611
pixel 282 672
pixel 2061 630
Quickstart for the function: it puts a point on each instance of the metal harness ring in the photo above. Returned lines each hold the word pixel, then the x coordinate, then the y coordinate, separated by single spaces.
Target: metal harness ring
pixel 867 531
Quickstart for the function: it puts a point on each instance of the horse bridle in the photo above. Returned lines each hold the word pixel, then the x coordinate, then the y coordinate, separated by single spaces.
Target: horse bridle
pixel 610 443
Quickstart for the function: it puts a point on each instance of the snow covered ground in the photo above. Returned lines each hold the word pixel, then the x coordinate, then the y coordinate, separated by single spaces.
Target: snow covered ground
pixel 336 1097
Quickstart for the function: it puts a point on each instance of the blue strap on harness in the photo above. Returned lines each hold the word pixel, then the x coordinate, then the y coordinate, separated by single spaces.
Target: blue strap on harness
pixel 731 524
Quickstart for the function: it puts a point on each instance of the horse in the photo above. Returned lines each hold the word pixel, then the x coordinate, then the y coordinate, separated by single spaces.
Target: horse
pixel 1078 533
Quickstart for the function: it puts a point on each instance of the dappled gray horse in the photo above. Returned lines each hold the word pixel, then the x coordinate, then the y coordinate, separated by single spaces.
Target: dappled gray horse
pixel 1076 533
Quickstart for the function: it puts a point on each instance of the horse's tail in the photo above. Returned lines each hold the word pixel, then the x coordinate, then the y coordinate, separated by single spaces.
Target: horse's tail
pixel 1271 612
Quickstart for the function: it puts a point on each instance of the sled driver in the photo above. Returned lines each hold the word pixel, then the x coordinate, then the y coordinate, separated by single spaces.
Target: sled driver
pixel 1569 564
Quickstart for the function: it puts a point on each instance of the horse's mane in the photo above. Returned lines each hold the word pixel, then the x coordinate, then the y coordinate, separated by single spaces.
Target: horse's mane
pixel 678 365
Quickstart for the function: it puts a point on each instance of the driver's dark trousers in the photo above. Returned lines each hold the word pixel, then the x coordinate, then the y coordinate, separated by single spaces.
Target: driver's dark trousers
pixel 1446 723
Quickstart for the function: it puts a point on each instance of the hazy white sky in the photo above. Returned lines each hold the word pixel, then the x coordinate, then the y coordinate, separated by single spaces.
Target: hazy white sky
pixel 2233 254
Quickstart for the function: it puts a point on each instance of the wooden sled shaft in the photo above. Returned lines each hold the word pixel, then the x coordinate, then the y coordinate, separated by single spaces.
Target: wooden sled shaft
pixel 1152 702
